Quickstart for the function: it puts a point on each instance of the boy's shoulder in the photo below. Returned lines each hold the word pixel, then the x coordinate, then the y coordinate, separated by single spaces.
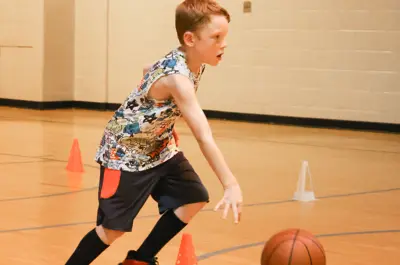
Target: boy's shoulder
pixel 173 62
pixel 168 70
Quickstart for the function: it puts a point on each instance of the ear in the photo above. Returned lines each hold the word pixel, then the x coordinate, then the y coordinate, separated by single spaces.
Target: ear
pixel 189 38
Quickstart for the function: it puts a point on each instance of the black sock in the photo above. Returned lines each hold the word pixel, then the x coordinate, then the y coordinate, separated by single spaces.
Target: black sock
pixel 166 228
pixel 90 247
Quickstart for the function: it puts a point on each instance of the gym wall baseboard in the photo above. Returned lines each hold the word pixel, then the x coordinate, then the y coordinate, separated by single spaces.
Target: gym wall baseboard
pixel 212 114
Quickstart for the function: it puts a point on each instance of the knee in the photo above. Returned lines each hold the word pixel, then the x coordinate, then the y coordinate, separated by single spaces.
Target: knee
pixel 196 207
pixel 201 205
pixel 187 212
pixel 108 236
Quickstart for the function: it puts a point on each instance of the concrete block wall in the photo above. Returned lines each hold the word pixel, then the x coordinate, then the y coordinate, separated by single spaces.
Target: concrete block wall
pixel 316 59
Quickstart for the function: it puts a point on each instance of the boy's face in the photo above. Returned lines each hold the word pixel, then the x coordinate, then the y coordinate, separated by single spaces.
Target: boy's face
pixel 209 41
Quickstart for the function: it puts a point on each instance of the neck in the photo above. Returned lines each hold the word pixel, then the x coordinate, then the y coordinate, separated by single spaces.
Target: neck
pixel 193 63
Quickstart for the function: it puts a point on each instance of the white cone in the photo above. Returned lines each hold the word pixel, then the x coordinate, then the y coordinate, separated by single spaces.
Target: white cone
pixel 302 194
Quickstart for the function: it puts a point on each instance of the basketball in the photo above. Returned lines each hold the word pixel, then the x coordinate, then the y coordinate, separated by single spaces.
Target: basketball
pixel 293 247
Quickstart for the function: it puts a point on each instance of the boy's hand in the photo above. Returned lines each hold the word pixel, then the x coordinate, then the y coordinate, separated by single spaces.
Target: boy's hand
pixel 176 137
pixel 232 198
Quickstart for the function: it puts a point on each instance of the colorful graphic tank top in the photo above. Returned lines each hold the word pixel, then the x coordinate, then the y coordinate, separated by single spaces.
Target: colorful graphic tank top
pixel 139 134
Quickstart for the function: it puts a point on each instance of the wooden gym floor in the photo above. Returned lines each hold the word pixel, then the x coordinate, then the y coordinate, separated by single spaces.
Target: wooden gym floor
pixel 356 176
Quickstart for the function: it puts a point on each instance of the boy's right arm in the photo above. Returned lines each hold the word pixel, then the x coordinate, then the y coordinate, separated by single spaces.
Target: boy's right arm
pixel 182 90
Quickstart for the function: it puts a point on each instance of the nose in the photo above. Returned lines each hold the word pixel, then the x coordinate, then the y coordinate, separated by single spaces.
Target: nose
pixel 224 45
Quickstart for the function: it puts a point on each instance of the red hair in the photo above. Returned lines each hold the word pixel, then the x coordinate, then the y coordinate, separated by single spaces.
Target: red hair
pixel 190 15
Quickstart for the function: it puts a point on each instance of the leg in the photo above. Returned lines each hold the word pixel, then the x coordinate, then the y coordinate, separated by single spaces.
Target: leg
pixel 121 195
pixel 169 225
pixel 186 212
pixel 180 195
pixel 92 245
pixel 108 236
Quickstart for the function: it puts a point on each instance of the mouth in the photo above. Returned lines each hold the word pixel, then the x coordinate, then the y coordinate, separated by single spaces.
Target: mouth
pixel 219 56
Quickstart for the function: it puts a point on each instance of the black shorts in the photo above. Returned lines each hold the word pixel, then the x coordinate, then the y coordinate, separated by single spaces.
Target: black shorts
pixel 122 194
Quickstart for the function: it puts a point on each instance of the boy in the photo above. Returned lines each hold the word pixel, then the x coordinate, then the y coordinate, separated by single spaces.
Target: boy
pixel 138 153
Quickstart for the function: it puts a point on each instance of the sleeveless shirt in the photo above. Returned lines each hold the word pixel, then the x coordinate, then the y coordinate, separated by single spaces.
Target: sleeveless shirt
pixel 139 134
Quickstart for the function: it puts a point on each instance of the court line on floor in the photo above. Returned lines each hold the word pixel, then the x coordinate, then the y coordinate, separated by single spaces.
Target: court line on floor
pixel 63 225
pixel 254 139
pixel 24 162
pixel 23 156
pixel 247 205
pixel 204 210
pixel 46 158
pixel 47 195
pixel 318 197
pixel 261 243
pixel 357 193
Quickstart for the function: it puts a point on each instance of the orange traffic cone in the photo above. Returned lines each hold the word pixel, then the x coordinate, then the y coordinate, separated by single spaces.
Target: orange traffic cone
pixel 75 160
pixel 186 255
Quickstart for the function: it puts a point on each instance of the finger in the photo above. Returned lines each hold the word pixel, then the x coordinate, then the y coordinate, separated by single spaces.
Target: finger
pixel 226 210
pixel 218 206
pixel 239 212
pixel 235 213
